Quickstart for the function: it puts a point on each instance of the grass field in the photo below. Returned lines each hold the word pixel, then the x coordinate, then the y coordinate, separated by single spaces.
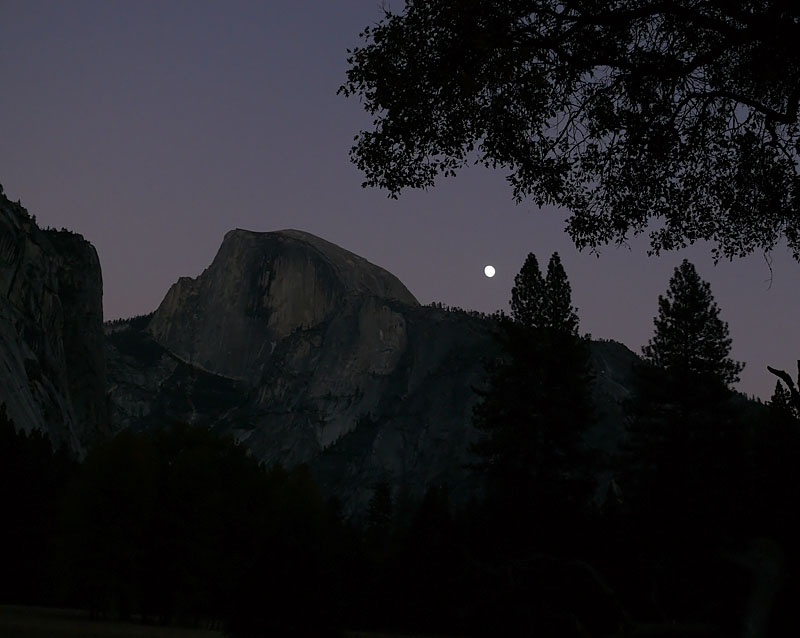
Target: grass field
pixel 38 622
pixel 41 622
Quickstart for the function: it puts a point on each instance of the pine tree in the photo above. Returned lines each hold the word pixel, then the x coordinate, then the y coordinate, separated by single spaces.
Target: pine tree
pixel 559 315
pixel 683 440
pixel 691 341
pixel 781 405
pixel 791 393
pixel 528 294
pixel 538 401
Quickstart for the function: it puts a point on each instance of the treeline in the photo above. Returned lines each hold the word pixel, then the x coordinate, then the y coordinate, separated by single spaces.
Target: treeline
pixel 182 526
pixel 691 528
pixel 173 526
pixel 136 322
pixel 475 314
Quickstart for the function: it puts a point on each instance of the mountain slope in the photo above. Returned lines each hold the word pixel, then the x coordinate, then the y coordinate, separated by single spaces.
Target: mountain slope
pixel 52 366
pixel 308 353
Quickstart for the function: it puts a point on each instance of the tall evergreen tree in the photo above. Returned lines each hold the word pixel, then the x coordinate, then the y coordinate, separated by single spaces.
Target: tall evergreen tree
pixel 691 341
pixel 538 401
pixel 533 411
pixel 559 315
pixel 684 444
pixel 528 294
pixel 684 464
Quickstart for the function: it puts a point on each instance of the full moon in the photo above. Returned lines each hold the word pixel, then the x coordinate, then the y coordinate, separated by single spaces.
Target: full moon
pixel 489 271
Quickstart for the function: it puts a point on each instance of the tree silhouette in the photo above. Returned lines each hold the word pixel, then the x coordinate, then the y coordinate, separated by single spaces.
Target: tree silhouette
pixel 108 512
pixel 776 479
pixel 528 295
pixel 684 464
pixel 791 395
pixel 182 525
pixel 32 479
pixel 537 403
pixel 682 397
pixel 677 111
pixel 783 405
pixel 690 341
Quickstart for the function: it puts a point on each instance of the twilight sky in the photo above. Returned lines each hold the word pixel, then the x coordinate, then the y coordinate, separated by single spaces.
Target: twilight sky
pixel 154 127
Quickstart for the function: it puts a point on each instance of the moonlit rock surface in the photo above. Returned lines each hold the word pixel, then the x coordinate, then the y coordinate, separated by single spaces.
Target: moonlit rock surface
pixel 305 352
pixel 52 368
pixel 262 287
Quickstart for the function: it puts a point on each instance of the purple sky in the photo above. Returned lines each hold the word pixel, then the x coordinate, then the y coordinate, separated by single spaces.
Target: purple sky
pixel 153 127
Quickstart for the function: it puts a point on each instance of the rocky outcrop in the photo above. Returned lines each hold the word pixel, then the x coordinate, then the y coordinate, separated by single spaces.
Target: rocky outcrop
pixel 292 344
pixel 261 288
pixel 307 353
pixel 52 370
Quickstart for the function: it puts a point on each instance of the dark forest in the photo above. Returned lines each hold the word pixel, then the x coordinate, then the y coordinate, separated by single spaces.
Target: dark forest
pixel 690 529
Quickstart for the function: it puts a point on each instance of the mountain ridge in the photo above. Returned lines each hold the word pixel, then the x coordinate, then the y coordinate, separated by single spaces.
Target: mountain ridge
pixel 299 349
pixel 354 359
pixel 52 369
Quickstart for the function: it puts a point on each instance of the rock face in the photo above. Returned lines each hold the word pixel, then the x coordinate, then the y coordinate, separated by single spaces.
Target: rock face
pixel 301 350
pixel 306 352
pixel 52 366
pixel 261 288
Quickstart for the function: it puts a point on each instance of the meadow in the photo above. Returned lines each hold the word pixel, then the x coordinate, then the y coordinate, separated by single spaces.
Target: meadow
pixel 40 622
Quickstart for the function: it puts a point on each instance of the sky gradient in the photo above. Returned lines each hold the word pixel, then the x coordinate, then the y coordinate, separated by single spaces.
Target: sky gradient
pixel 152 128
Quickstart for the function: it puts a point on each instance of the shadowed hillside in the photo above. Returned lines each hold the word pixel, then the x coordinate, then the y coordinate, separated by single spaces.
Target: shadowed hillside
pixel 305 352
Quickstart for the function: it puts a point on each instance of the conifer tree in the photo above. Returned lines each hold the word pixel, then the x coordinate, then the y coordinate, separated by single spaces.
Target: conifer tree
pixel 682 426
pixel 538 401
pixel 691 341
pixel 781 405
pixel 528 294
pixel 559 315
pixel 791 394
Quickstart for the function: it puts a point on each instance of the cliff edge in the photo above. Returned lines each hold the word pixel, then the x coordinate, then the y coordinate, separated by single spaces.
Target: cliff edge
pixel 52 365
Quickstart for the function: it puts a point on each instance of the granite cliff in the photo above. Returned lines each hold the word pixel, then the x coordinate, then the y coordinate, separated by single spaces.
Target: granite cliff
pixel 306 352
pixel 263 287
pixel 52 366
pixel 301 350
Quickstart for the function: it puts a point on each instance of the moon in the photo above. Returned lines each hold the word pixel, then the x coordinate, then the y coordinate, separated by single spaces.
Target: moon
pixel 489 271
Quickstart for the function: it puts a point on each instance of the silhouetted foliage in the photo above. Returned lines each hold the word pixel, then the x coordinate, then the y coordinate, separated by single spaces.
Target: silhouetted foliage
pixel 775 477
pixel 538 401
pixel 183 526
pixel 681 417
pixel 690 341
pixel 475 314
pixel 684 469
pixel 791 394
pixel 32 478
pixel 533 413
pixel 179 524
pixel 136 322
pixel 430 561
pixel 782 406
pixel 623 113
